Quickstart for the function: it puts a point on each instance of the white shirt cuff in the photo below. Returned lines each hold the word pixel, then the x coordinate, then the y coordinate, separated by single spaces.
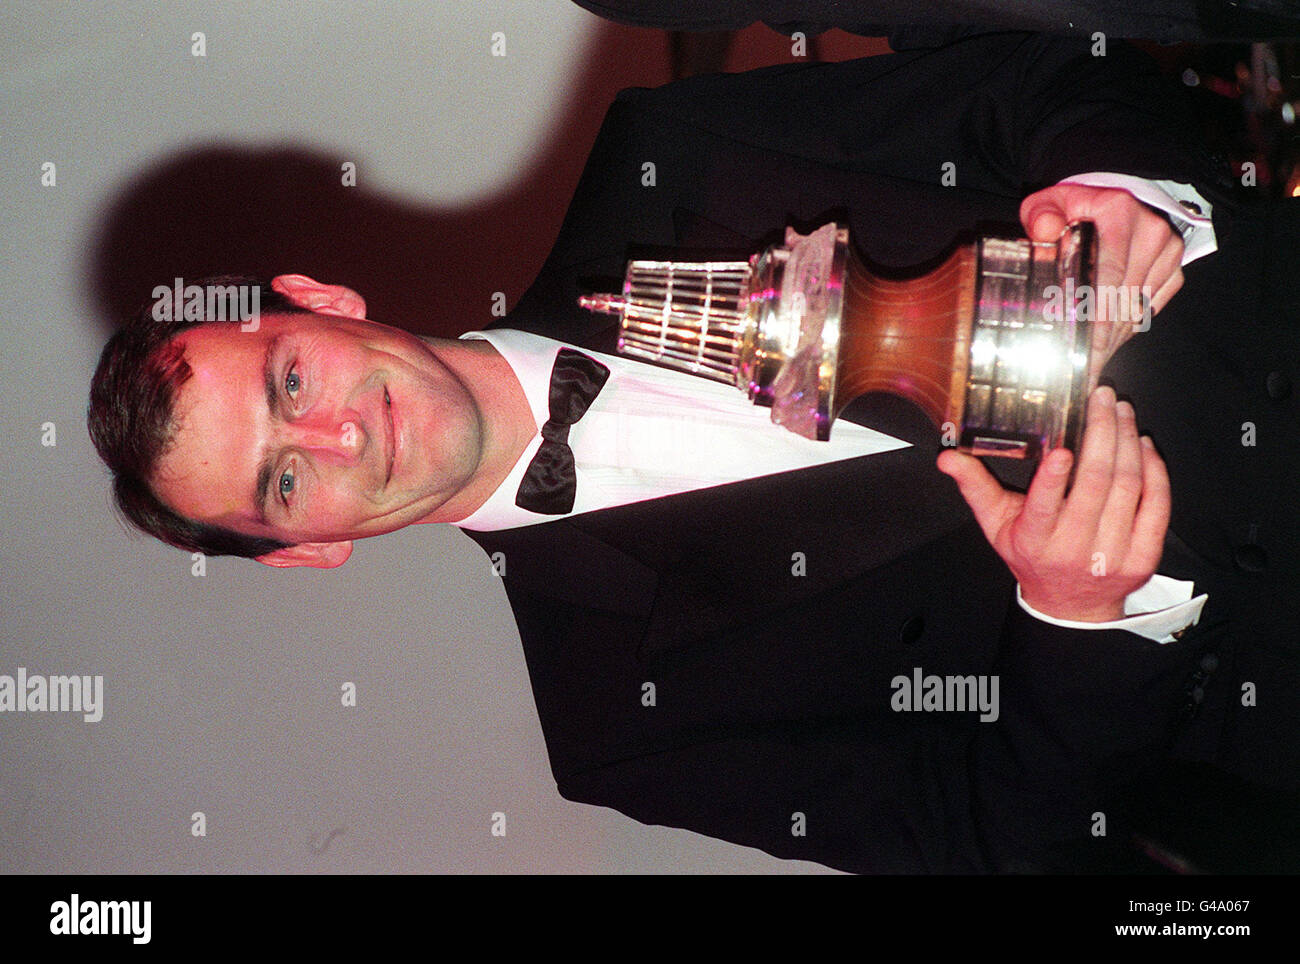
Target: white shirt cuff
pixel 1183 203
pixel 1156 611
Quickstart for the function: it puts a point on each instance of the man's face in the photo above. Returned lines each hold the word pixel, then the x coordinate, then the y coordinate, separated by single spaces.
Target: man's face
pixel 316 429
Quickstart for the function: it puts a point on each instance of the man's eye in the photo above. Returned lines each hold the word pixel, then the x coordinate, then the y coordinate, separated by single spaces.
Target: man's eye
pixel 286 485
pixel 292 384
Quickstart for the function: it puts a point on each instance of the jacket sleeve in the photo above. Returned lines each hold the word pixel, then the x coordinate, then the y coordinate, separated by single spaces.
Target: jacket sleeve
pixel 1012 112
pixel 1080 715
pixel 1084 715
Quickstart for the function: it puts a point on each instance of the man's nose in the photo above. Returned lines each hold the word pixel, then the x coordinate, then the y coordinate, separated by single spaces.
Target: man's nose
pixel 340 436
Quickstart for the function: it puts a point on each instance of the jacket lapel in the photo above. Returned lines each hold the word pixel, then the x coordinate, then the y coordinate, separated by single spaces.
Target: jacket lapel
pixel 698 564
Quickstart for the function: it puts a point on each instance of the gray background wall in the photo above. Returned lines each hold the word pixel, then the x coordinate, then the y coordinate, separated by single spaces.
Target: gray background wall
pixel 222 693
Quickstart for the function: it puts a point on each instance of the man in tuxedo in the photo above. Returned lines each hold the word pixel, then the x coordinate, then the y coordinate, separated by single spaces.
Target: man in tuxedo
pixel 717 647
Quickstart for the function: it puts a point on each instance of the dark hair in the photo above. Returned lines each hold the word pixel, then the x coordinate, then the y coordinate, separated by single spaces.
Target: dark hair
pixel 133 424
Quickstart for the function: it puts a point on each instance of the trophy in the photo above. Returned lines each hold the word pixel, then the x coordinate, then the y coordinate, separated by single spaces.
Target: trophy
pixel 991 344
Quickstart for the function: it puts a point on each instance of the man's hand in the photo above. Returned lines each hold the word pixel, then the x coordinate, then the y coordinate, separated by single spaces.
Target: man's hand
pixel 1078 556
pixel 1136 248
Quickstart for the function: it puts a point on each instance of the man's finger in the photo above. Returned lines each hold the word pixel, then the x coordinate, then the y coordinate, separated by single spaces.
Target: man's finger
pixel 992 505
pixel 1167 268
pixel 1102 349
pixel 1115 530
pixel 1048 226
pixel 1155 252
pixel 1166 293
pixel 1149 241
pixel 1043 219
pixel 1082 513
pixel 1152 522
pixel 1042 506
pixel 1114 248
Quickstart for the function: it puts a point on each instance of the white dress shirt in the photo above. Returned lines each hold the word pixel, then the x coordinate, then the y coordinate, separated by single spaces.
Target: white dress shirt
pixel 654 432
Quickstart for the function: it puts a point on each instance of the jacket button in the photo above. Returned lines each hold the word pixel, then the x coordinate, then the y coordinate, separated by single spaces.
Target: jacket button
pixel 1251 558
pixel 911 630
pixel 1277 385
pixel 1209 662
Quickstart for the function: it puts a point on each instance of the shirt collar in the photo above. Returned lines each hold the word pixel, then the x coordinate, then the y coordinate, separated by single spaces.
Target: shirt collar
pixel 531 358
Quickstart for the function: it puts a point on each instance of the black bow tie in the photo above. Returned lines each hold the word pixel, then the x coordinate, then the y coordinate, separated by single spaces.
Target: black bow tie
pixel 550 483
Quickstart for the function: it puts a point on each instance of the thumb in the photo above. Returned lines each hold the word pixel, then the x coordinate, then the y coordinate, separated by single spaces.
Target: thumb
pixel 990 503
pixel 1043 221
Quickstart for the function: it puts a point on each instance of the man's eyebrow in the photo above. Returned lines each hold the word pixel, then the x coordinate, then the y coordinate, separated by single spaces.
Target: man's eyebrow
pixel 270 385
pixel 269 381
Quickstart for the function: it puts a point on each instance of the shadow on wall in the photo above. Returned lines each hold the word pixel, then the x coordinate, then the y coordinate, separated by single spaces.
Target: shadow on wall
pixel 432 270
pixel 220 210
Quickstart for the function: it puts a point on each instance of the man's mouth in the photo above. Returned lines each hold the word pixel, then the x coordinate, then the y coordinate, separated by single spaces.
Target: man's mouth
pixel 392 436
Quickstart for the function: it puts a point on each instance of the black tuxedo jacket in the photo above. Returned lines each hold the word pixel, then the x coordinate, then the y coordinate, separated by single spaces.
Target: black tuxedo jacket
pixel 1163 20
pixel 722 660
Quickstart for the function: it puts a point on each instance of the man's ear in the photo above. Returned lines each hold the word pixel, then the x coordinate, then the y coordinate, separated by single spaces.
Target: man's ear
pixel 320 555
pixel 327 299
